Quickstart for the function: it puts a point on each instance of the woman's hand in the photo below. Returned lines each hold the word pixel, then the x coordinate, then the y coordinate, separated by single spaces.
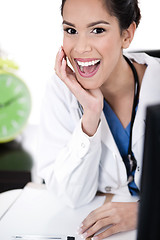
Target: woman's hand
pixel 111 218
pixel 91 100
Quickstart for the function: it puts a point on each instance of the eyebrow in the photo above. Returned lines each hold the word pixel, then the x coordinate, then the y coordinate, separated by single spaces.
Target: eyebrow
pixel 96 23
pixel 68 23
pixel 89 25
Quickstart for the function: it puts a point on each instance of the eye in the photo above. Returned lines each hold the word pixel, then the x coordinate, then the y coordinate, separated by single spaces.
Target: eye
pixel 98 30
pixel 70 31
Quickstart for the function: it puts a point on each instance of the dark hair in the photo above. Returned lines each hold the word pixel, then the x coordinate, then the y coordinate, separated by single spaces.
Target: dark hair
pixel 126 11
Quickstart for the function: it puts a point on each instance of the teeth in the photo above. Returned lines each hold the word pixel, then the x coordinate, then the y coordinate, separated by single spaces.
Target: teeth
pixel 86 64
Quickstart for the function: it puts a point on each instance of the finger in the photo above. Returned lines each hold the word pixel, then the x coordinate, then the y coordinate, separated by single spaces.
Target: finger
pixel 63 70
pixel 70 80
pixel 109 232
pixel 95 217
pixel 58 62
pixel 99 225
pixel 57 56
pixel 97 214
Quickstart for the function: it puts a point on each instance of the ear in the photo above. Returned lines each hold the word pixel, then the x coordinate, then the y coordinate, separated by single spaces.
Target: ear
pixel 127 35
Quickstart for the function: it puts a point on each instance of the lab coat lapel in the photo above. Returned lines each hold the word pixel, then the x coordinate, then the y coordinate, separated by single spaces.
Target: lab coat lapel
pixel 138 132
pixel 138 127
pixel 107 137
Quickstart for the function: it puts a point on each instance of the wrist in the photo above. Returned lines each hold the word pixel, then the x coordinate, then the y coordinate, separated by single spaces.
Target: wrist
pixel 90 124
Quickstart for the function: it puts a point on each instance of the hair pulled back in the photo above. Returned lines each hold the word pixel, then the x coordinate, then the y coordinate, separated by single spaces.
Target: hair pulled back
pixel 126 11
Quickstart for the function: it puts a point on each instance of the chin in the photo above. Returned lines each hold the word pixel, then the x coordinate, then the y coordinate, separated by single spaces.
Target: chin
pixel 88 84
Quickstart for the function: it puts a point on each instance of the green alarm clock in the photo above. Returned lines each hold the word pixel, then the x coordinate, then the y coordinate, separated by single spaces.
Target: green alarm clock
pixel 15 106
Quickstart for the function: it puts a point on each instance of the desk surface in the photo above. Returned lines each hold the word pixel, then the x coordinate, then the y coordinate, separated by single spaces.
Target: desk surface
pixel 7 199
pixel 37 212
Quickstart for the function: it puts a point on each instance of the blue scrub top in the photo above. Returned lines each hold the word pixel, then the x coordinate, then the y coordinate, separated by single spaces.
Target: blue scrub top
pixel 121 136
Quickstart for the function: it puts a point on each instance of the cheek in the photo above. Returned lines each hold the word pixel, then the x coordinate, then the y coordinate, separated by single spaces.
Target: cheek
pixel 108 45
pixel 111 51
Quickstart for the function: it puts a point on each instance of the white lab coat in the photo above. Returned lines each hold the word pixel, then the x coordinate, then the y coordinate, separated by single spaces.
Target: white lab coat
pixel 74 165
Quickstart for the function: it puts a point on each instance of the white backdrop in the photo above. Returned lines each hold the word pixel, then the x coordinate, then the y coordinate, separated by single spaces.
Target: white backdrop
pixel 31 34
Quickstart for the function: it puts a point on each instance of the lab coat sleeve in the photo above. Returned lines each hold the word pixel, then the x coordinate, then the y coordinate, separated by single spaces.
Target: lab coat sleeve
pixel 68 158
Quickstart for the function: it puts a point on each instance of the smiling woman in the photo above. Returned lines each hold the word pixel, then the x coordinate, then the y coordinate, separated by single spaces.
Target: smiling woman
pixel 92 123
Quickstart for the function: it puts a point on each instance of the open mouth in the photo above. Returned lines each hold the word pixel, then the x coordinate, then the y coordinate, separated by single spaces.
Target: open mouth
pixel 87 67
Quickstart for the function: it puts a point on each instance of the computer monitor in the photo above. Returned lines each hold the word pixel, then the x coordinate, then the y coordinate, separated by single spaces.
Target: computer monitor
pixel 149 208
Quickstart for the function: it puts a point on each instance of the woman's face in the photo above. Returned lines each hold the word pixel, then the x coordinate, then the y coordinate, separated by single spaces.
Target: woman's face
pixel 92 41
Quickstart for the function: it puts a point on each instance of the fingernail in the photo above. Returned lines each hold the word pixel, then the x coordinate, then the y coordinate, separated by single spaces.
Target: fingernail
pixel 94 238
pixel 79 230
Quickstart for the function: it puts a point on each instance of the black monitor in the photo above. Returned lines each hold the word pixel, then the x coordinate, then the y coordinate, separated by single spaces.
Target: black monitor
pixel 149 208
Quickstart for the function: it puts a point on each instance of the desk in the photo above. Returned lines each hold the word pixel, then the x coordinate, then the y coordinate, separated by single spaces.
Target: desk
pixel 7 199
pixel 38 212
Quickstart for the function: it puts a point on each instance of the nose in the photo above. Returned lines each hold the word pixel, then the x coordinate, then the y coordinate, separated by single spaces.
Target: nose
pixel 82 45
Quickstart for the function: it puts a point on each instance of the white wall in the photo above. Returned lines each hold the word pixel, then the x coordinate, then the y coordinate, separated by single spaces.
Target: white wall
pixel 31 34
pixel 148 34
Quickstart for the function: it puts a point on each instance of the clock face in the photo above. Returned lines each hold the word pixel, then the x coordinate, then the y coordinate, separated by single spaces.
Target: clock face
pixel 15 106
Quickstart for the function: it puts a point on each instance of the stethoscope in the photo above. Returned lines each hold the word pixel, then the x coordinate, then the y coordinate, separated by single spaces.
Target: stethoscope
pixel 131 158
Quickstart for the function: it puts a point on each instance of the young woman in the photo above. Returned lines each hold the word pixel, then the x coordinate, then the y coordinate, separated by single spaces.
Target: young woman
pixel 92 125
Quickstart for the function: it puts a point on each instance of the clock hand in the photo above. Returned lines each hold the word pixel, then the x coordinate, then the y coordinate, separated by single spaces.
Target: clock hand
pixel 10 101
